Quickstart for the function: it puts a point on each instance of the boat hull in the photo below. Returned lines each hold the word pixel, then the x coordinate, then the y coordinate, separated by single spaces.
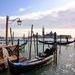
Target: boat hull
pixel 30 65
pixel 2 67
pixel 58 43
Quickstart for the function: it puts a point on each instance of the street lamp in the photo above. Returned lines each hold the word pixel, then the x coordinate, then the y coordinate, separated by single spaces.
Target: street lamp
pixel 7 20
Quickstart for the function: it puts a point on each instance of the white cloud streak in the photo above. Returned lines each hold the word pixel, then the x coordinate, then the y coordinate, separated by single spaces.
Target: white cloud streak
pixel 22 9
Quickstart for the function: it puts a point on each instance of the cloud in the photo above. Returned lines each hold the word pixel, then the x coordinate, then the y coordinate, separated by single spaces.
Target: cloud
pixel 40 14
pixel 49 18
pixel 22 9
pixel 58 18
pixel 62 17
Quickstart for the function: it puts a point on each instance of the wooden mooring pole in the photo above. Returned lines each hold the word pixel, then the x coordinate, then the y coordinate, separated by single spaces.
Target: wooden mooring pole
pixel 66 38
pixel 24 38
pixel 31 42
pixel 60 45
pixel 74 42
pixel 43 37
pixel 12 36
pixel 55 47
pixel 28 39
pixel 37 43
pixel 34 43
pixel 18 51
pixel 7 19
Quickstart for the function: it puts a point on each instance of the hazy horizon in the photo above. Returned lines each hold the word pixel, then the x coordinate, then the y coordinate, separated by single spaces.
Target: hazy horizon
pixel 21 32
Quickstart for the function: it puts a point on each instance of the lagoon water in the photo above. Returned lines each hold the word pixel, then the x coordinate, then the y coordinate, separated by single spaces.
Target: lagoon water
pixel 65 62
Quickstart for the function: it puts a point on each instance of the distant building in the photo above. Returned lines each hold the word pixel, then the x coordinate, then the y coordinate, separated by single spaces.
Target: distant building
pixel 65 36
pixel 49 35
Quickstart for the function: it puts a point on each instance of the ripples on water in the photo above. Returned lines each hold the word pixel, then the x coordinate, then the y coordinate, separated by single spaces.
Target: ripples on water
pixel 65 64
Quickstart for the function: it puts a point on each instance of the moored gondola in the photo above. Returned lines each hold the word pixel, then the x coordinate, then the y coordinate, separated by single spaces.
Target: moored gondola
pixel 27 65
pixel 13 47
pixel 8 52
pixel 58 43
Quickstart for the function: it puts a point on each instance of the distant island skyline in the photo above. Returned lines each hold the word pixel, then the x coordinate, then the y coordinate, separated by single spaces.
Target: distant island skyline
pixel 20 32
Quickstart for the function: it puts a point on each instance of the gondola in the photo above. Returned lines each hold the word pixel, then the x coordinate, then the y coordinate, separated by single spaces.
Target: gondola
pixel 28 65
pixel 13 50
pixel 7 52
pixel 12 47
pixel 65 43
pixel 58 43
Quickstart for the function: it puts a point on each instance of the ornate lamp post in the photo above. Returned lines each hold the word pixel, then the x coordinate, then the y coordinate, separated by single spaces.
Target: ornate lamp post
pixel 7 21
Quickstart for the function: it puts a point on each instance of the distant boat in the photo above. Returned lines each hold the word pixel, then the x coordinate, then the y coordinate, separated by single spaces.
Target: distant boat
pixel 58 42
pixel 27 65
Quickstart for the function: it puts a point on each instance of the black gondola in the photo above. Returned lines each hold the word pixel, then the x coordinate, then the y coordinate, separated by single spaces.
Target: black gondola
pixel 27 65
pixel 6 52
pixel 13 47
pixel 58 43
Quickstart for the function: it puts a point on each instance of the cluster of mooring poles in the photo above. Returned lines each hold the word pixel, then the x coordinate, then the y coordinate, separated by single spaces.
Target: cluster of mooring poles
pixel 35 38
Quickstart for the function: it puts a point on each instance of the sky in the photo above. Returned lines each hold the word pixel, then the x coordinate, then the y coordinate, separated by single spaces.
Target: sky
pixel 20 7
pixel 58 15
